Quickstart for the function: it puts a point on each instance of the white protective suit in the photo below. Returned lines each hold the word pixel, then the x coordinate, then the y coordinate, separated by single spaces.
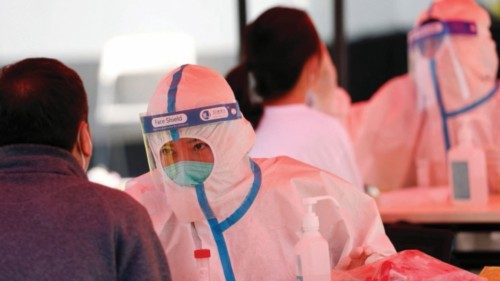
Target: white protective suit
pixel 415 118
pixel 247 212
pixel 307 135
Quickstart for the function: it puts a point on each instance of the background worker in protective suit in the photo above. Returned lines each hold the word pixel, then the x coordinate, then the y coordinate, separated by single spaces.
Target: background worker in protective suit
pixel 204 191
pixel 300 109
pixel 411 122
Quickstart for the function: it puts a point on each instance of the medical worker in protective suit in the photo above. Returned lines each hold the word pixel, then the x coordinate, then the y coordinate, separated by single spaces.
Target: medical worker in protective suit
pixel 409 124
pixel 203 191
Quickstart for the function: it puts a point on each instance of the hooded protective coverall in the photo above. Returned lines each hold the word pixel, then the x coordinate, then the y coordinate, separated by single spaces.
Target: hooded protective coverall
pixel 411 122
pixel 247 211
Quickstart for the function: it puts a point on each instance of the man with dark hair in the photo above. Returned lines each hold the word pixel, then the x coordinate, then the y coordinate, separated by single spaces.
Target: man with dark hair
pixel 54 223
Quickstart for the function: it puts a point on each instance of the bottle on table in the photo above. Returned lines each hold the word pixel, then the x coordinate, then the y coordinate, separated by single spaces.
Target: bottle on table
pixel 312 251
pixel 467 169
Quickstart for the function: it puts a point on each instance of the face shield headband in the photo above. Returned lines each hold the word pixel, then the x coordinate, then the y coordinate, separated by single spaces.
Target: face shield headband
pixel 187 118
pixel 424 43
pixel 434 31
pixel 174 120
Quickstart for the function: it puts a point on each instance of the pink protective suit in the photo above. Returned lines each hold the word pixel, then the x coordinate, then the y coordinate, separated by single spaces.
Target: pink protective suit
pixel 402 125
pixel 254 206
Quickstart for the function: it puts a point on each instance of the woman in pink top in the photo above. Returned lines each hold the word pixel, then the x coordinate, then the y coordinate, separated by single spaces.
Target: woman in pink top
pixel 295 106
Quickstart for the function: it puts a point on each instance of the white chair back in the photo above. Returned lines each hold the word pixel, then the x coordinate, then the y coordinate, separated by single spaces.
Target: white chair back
pixel 130 68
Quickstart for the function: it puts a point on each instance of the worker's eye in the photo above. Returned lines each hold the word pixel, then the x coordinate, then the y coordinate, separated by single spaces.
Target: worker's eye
pixel 167 151
pixel 199 146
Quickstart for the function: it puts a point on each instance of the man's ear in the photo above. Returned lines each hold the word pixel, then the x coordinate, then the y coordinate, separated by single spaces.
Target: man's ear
pixel 85 139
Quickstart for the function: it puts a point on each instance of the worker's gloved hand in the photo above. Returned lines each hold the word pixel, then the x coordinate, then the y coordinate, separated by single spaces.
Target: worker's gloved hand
pixel 493 165
pixel 327 96
pixel 326 76
pixel 357 257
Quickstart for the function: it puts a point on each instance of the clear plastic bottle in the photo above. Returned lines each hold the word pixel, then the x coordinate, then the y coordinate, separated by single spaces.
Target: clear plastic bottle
pixel 312 251
pixel 202 257
pixel 467 169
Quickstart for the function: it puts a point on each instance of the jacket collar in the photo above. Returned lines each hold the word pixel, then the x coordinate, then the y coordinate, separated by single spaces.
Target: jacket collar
pixel 38 158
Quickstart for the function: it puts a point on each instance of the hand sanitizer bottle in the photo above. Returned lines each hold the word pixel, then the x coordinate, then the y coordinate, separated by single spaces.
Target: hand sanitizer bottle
pixel 312 251
pixel 467 171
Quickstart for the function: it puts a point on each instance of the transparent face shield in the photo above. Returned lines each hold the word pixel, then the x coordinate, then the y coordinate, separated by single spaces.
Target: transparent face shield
pixel 435 66
pixel 186 160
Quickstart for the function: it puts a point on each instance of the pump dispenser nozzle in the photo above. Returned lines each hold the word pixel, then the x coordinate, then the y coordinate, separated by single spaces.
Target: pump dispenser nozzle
pixel 311 221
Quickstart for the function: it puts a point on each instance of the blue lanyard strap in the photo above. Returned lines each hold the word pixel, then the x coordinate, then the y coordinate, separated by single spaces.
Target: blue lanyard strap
pixel 442 111
pixel 172 90
pixel 474 104
pixel 218 228
pixel 172 93
pixel 216 232
pixel 247 202
pixel 444 114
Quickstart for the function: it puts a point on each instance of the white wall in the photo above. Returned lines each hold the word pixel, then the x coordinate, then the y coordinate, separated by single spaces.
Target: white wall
pixel 72 29
pixel 363 17
pixel 321 12
pixel 75 29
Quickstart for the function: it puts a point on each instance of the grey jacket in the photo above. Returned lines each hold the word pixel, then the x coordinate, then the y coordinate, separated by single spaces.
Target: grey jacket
pixel 56 225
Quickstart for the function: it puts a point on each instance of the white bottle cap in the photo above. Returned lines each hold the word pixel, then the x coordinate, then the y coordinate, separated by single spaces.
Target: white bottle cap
pixel 310 221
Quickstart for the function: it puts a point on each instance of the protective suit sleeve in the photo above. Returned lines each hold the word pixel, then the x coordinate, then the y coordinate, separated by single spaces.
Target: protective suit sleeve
pixel 385 133
pixel 355 225
pixel 146 190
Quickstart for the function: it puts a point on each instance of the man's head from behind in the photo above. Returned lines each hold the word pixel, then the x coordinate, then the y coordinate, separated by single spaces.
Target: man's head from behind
pixel 42 101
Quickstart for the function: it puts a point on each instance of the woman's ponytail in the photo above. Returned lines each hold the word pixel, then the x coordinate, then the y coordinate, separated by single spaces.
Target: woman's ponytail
pixel 237 79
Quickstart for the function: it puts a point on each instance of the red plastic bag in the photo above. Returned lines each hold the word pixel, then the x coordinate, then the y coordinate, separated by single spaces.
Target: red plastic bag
pixel 409 265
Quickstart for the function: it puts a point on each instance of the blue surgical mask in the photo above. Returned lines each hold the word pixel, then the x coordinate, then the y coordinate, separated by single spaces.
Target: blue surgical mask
pixel 188 173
